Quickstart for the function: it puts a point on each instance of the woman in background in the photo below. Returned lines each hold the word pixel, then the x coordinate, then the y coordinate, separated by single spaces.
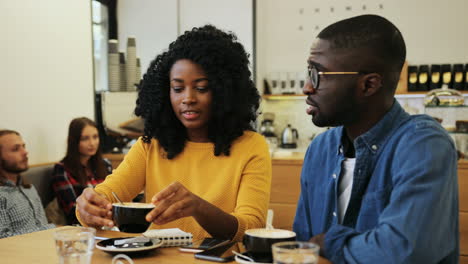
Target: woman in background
pixel 82 166
pixel 200 161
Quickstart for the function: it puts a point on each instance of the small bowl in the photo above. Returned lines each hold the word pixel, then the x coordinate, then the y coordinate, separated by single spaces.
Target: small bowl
pixel 258 241
pixel 130 217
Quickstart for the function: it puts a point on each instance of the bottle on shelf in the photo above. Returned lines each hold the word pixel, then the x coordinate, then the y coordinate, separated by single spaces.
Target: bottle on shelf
pixel 435 79
pixel 412 78
pixel 447 75
pixel 466 77
pixel 458 77
pixel 423 78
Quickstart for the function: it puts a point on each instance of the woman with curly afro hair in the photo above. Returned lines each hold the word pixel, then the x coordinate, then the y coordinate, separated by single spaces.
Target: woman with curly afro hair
pixel 199 162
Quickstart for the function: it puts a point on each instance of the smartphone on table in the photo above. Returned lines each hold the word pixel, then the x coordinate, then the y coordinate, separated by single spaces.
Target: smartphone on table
pixel 220 253
pixel 203 244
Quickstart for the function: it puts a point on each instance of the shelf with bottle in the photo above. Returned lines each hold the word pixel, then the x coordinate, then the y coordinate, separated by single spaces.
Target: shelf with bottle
pixel 283 96
pixel 426 78
pixel 410 84
pixel 302 97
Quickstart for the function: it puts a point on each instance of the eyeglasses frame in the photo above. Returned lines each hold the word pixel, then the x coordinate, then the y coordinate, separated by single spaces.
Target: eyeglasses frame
pixel 309 75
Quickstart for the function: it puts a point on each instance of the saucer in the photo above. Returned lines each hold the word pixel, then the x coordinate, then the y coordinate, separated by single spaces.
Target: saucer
pixel 109 247
pixel 244 261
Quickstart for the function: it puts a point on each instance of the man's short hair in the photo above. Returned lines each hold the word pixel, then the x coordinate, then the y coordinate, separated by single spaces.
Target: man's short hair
pixel 374 34
pixel 4 132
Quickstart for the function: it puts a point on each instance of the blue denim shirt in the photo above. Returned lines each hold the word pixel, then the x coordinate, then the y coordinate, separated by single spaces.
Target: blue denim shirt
pixel 404 200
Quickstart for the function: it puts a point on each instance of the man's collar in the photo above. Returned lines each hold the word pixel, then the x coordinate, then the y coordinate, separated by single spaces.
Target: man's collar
pixel 10 183
pixel 378 134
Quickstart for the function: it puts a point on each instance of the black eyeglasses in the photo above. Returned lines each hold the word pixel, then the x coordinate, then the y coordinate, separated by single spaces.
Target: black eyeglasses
pixel 314 75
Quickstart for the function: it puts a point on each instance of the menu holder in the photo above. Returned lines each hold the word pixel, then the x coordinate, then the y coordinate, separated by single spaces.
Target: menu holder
pixel 171 237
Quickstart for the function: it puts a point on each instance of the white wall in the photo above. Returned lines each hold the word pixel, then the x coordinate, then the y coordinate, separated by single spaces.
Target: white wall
pixel 434 30
pixel 152 22
pixel 46 71
pixel 156 23
pixel 117 108
pixel 228 15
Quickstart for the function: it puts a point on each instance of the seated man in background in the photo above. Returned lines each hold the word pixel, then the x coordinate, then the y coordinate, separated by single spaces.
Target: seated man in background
pixel 380 187
pixel 21 209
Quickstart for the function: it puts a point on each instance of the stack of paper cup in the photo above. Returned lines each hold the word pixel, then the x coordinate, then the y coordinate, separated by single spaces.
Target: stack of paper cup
pixel 138 71
pixel 114 66
pixel 131 63
pixel 123 73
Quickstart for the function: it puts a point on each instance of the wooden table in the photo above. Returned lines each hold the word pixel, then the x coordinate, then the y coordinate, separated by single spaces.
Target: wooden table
pixel 39 247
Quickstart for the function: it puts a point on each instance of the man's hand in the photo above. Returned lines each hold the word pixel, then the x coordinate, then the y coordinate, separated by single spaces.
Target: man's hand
pixel 94 209
pixel 319 240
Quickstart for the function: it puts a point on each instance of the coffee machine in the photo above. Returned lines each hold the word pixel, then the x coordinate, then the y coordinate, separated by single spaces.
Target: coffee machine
pixel 267 129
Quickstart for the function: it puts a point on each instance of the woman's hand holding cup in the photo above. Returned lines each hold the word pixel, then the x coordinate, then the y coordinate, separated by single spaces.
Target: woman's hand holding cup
pixel 94 209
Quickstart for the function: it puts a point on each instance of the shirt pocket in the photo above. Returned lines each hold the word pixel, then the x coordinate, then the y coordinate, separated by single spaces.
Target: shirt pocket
pixel 373 203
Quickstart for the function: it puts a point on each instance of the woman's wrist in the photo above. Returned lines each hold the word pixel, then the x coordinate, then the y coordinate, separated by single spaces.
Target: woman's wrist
pixel 201 208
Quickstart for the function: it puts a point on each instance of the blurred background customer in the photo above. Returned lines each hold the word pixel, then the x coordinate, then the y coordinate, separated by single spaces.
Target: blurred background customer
pixel 21 209
pixel 82 166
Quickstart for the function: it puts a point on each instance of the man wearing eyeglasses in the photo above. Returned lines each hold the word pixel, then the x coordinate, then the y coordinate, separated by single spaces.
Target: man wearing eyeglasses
pixel 380 187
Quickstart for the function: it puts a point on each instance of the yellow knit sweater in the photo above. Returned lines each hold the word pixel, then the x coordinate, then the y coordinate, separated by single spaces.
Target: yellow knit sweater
pixel 238 184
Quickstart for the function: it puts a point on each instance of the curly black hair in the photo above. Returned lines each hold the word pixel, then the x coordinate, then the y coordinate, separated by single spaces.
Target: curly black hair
pixel 235 97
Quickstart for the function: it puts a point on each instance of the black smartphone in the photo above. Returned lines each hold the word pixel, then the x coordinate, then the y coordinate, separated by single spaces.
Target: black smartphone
pixel 203 244
pixel 220 253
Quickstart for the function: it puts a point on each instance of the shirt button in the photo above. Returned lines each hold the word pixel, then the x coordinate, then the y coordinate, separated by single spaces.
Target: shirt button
pixel 334 214
pixel 374 147
pixel 334 176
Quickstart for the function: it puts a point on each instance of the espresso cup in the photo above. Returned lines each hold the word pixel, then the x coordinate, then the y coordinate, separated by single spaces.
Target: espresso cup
pixel 258 241
pixel 130 217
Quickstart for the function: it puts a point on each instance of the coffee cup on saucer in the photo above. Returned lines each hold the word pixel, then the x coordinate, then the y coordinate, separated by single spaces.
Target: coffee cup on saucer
pixel 258 241
pixel 130 217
